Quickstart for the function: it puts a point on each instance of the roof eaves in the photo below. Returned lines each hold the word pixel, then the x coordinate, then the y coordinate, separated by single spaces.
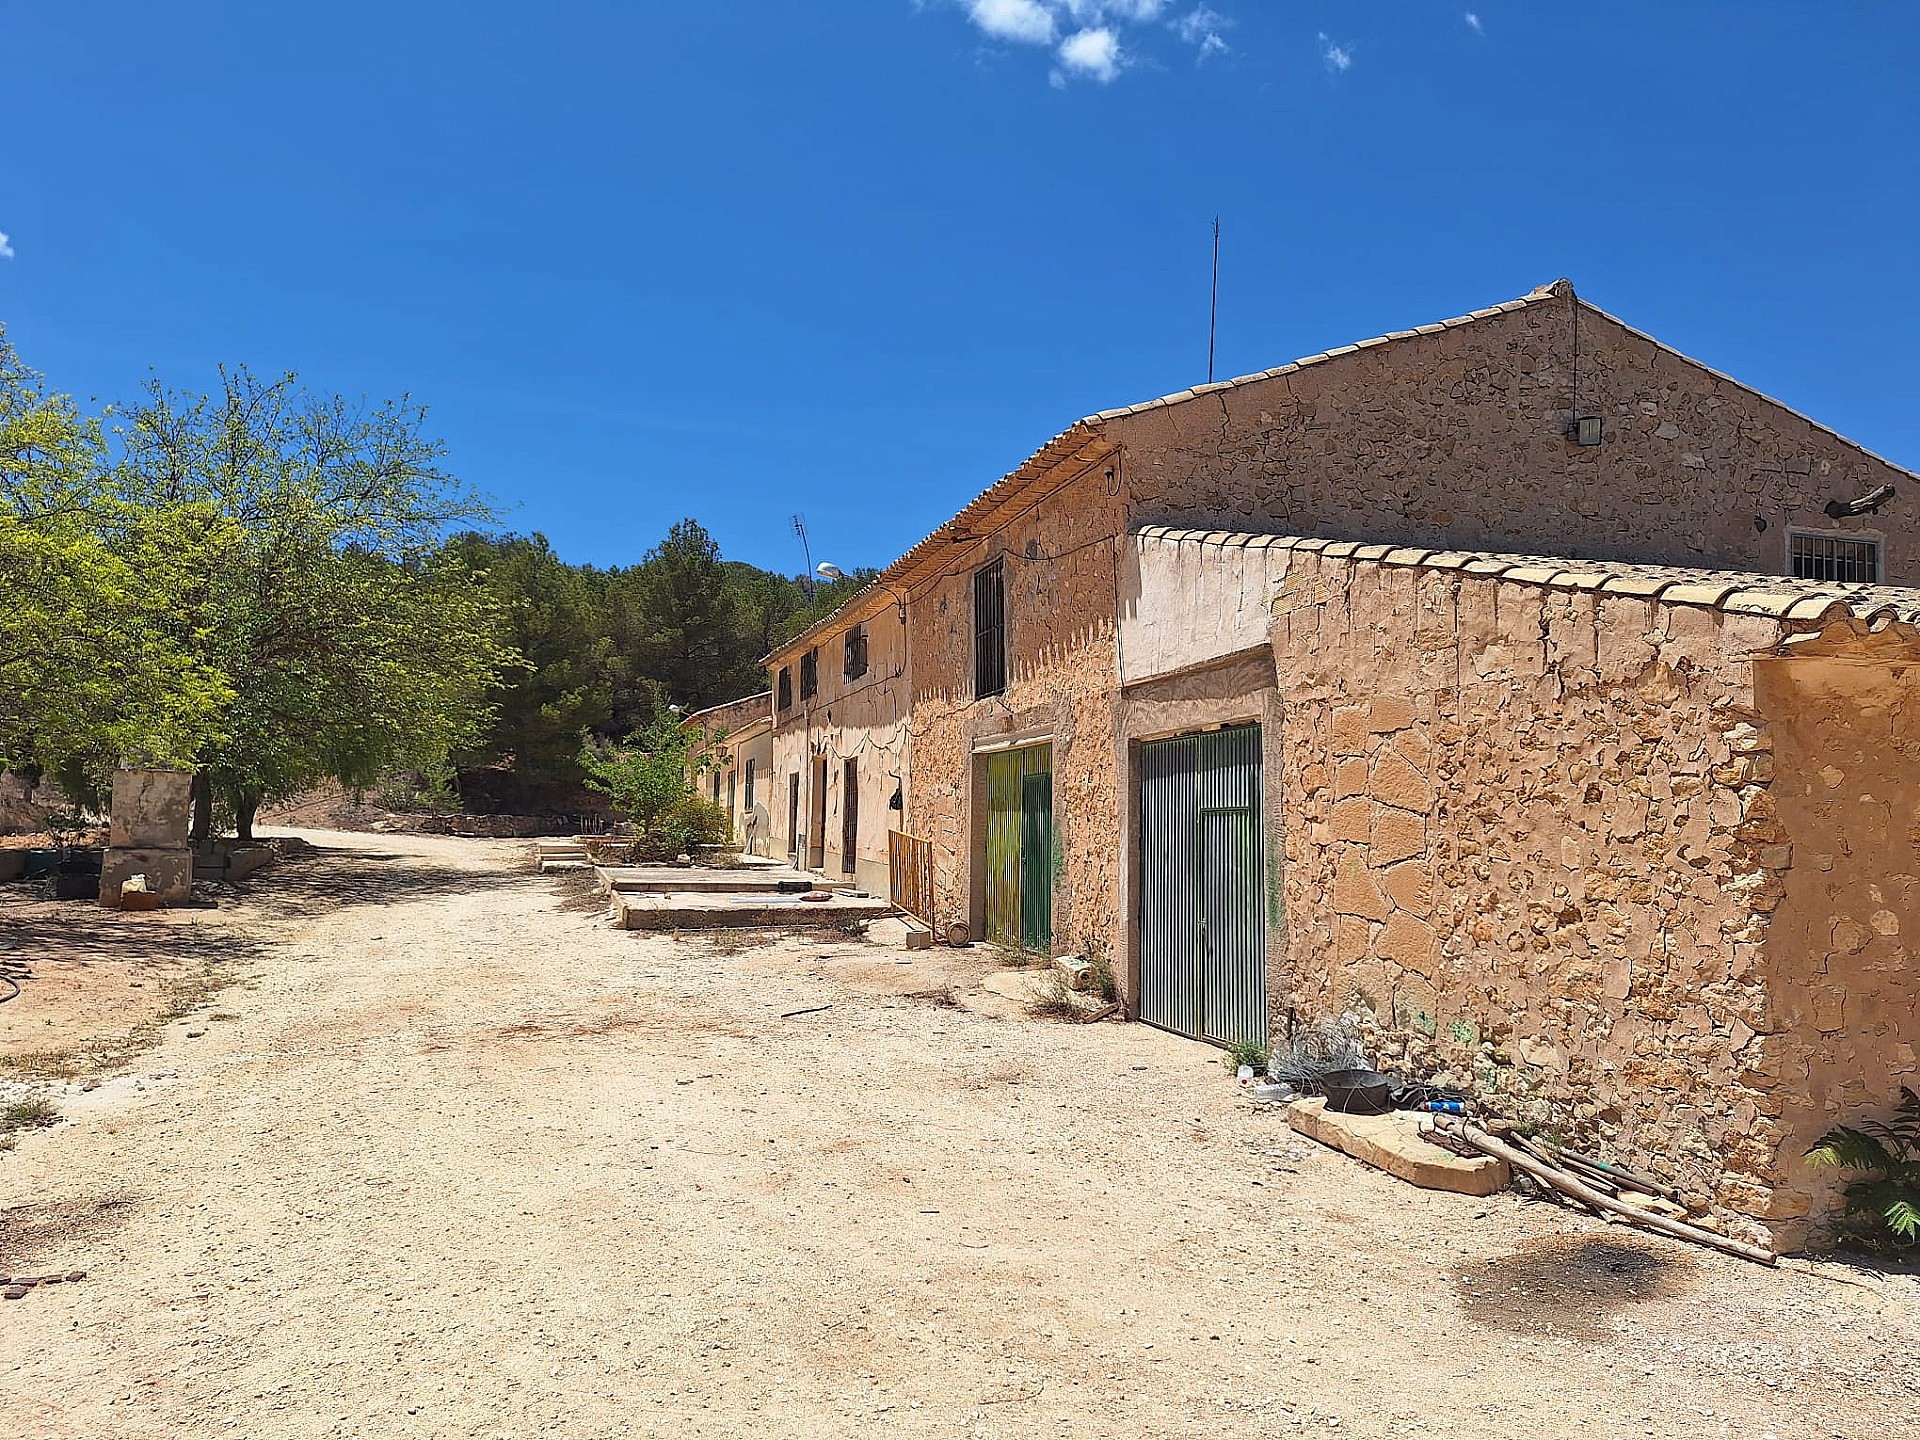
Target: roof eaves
pixel 1722 376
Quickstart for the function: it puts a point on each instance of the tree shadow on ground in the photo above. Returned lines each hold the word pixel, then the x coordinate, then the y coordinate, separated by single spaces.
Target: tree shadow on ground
pixel 80 933
pixel 325 880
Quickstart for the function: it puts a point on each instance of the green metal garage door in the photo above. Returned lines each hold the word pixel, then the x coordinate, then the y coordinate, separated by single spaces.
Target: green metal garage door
pixel 1020 848
pixel 1202 937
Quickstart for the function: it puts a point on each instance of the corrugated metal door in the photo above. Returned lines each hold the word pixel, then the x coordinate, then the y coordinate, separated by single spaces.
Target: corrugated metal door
pixel 1003 847
pixel 1036 861
pixel 1202 939
pixel 1019 859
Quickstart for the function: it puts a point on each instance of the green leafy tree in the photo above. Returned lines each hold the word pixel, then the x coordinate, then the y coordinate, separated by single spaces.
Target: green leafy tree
pixel 93 664
pixel 315 584
pixel 649 780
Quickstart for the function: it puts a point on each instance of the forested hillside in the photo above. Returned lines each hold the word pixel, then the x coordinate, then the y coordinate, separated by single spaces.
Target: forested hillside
pixel 603 651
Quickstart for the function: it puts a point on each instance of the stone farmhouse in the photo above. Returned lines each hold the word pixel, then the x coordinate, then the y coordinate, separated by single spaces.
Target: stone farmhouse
pixel 1514 681
pixel 736 740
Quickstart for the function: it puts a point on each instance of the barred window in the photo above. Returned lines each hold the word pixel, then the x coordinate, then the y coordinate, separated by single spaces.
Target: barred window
pixel 989 631
pixel 809 674
pixel 1822 555
pixel 856 657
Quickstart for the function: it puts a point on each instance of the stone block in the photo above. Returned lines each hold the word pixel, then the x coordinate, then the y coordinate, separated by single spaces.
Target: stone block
pixel 1386 715
pixel 1397 835
pixel 151 809
pixel 1349 731
pixel 1352 820
pixel 1392 1143
pixel 1410 887
pixel 1354 892
pixel 1395 782
pixel 1407 941
pixel 169 873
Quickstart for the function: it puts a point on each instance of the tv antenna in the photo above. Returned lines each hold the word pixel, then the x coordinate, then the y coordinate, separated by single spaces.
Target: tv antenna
pixel 1213 316
pixel 806 576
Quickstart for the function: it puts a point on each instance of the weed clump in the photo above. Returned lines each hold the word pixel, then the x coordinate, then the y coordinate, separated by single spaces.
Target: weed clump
pixel 1245 1052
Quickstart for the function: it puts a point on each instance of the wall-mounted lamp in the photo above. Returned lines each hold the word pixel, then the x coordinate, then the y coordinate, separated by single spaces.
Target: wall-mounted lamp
pixel 1867 504
pixel 1585 430
pixel 827 570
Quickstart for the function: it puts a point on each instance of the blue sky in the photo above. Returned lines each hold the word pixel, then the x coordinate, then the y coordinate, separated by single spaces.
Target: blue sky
pixel 857 258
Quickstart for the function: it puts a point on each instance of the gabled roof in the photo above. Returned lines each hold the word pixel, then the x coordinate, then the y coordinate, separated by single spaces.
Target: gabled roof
pixel 1087 437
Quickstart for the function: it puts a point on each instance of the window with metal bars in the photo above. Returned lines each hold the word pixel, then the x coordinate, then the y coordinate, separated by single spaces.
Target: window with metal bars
pixel 989 630
pixel 809 674
pixel 1821 555
pixel 786 688
pixel 855 664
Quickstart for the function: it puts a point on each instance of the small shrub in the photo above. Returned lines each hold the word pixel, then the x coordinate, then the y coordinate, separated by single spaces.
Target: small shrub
pixel 1051 999
pixel 1101 982
pixel 1890 1152
pixel 29 1114
pixel 1245 1052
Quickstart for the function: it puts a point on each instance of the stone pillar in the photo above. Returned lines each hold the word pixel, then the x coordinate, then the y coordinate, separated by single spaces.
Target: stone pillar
pixel 147 835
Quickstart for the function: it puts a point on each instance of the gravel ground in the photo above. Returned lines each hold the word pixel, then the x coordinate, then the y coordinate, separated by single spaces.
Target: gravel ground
pixel 466 1162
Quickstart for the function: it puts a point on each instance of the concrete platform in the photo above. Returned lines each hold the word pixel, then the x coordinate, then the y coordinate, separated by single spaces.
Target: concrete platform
pixel 682 910
pixel 672 879
pixel 1392 1143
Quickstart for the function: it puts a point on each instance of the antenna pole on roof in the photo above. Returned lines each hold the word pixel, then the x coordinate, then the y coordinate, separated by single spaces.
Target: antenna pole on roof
pixel 806 576
pixel 1213 317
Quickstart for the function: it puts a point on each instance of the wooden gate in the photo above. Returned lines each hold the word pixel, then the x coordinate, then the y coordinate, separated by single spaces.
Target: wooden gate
pixel 1202 930
pixel 910 865
pixel 1019 858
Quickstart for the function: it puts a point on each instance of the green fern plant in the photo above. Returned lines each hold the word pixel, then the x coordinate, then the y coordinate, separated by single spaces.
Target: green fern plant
pixel 1890 1152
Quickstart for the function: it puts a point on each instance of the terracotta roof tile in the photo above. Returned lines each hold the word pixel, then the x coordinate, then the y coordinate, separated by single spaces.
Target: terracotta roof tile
pixel 1777 597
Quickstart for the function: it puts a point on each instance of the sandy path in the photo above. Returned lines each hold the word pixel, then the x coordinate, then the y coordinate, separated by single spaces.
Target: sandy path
pixel 468 1163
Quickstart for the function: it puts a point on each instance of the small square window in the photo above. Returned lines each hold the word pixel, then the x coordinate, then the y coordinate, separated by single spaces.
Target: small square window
pixel 1823 555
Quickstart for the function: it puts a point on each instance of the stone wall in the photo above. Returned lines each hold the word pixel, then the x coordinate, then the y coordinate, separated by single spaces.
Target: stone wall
pixel 1455 437
pixel 1061 572
pixel 1846 988
pixel 1531 829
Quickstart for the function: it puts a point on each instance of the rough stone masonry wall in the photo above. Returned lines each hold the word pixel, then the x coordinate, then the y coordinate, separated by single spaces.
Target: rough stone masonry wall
pixel 1060 561
pixel 1846 759
pixel 1457 440
pixel 1519 827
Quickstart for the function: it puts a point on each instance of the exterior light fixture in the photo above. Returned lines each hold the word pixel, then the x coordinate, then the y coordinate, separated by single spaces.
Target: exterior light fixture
pixel 829 571
pixel 1585 430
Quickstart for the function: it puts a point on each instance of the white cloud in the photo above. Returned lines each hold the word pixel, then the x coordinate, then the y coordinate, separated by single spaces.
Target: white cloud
pixel 1093 53
pixel 1339 58
pixel 1089 37
pixel 1202 29
pixel 1473 23
pixel 6 250
pixel 1026 21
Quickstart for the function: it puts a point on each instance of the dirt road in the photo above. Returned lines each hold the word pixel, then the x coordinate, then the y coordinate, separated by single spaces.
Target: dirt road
pixel 465 1162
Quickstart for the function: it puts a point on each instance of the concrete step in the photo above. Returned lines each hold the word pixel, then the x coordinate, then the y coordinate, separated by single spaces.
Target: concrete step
pixel 668 879
pixel 561 865
pixel 695 911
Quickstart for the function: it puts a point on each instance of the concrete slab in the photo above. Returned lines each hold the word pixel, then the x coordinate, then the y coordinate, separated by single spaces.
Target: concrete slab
pixel 684 911
pixel 562 865
pixel 671 879
pixel 1392 1143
